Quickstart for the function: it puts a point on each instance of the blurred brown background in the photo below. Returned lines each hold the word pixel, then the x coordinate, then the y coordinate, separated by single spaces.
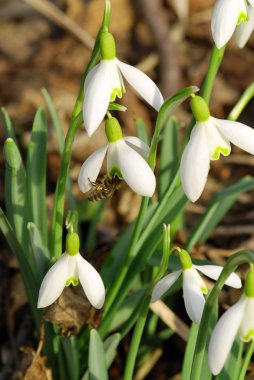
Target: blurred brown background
pixel 47 44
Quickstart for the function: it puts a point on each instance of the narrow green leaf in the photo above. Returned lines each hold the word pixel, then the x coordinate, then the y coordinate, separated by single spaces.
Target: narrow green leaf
pixel 91 235
pixel 8 126
pixel 189 352
pixel 31 282
pixel 216 210
pixel 54 118
pixel 169 155
pixel 40 251
pixel 97 360
pixel 142 131
pixel 36 174
pixel 15 191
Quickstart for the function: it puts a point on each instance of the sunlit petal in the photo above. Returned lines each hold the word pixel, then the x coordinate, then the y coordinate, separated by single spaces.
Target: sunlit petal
pixel 90 169
pixel 239 134
pixel 244 30
pixel 91 282
pixel 164 285
pixel 224 20
pixel 247 326
pixel 214 271
pixel 142 84
pixel 218 144
pixel 138 145
pixel 193 295
pixel 97 97
pixel 54 282
pixel 224 335
pixel 135 170
pixel 195 163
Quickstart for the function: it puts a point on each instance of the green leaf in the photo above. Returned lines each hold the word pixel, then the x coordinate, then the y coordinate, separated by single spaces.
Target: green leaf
pixel 97 360
pixel 15 191
pixel 36 174
pixel 189 352
pixel 54 118
pixel 40 251
pixel 110 346
pixel 142 131
pixel 31 282
pixel 216 210
pixel 169 155
pixel 7 123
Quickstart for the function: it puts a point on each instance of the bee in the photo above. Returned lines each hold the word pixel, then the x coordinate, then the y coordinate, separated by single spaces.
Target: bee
pixel 103 188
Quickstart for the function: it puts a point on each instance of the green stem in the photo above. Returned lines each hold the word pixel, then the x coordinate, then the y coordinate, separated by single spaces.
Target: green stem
pixel 242 102
pixel 135 341
pixel 207 86
pixel 129 256
pixel 246 361
pixel 58 210
pixel 231 265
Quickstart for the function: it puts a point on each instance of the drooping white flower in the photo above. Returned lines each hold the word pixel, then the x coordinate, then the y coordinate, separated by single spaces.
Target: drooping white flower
pixel 244 30
pixel 70 269
pixel 104 83
pixel 194 287
pixel 226 15
pixel 126 156
pixel 209 138
pixel 238 319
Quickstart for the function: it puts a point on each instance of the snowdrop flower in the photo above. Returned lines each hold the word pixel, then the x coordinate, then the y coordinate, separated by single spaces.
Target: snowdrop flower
pixel 209 138
pixel 104 83
pixel 70 269
pixel 194 287
pixel 238 319
pixel 244 30
pixel 126 157
pixel 227 14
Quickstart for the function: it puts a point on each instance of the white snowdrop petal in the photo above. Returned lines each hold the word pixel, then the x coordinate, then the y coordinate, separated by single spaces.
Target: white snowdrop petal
pixel 195 163
pixel 193 296
pixel 218 144
pixel 214 271
pixel 97 97
pixel 138 145
pixel 54 282
pixel 135 170
pixel 239 134
pixel 224 335
pixel 244 30
pixel 116 83
pixel 247 326
pixel 112 157
pixel 91 282
pixel 142 84
pixel 164 285
pixel 224 20
pixel 90 169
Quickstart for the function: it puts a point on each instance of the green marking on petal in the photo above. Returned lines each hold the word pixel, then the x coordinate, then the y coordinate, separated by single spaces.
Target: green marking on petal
pixel 117 92
pixel 220 150
pixel 249 336
pixel 243 17
pixel 116 171
pixel 72 281
pixel 203 288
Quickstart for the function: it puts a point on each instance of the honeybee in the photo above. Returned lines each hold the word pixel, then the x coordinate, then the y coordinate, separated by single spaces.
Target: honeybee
pixel 103 188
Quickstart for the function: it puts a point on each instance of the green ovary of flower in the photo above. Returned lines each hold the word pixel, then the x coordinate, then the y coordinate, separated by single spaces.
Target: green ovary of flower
pixel 113 130
pixel 199 109
pixel 107 46
pixel 72 281
pixel 185 259
pixel 72 244
pixel 220 150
